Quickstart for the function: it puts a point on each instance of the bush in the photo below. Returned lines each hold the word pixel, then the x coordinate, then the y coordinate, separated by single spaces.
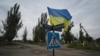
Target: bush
pixel 75 45
pixel 86 47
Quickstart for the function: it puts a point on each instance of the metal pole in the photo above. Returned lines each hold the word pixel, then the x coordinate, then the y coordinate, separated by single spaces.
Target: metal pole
pixel 53 49
pixel 53 52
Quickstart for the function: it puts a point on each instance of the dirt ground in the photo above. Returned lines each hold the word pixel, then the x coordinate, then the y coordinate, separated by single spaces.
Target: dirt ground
pixel 35 50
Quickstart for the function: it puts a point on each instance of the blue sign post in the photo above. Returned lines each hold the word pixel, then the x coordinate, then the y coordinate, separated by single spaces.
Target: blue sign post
pixel 53 40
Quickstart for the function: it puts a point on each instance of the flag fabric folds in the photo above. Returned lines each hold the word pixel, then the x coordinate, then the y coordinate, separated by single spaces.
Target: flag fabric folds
pixel 58 16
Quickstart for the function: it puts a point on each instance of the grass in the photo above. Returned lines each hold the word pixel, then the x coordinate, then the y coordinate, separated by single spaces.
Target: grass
pixel 39 43
pixel 90 46
pixel 6 43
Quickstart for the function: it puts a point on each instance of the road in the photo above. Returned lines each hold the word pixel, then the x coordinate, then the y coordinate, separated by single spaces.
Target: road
pixel 35 50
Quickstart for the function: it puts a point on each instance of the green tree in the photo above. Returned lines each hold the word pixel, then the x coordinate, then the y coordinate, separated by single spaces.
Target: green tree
pixel 38 32
pixel 25 35
pixel 43 20
pixel 88 38
pixel 67 35
pixel 81 36
pixel 85 37
pixel 12 23
pixel 98 40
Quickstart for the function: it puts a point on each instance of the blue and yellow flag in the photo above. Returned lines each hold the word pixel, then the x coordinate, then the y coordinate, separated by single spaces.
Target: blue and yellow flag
pixel 59 16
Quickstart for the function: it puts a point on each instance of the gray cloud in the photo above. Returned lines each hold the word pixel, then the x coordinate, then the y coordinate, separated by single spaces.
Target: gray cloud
pixel 83 11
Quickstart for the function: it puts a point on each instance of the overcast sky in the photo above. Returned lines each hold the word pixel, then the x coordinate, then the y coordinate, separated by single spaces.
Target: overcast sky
pixel 86 12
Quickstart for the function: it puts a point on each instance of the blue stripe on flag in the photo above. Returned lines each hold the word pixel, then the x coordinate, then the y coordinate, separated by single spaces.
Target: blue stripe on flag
pixel 60 13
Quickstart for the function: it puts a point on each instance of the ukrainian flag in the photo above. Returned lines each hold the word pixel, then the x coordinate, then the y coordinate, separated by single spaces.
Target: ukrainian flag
pixel 59 16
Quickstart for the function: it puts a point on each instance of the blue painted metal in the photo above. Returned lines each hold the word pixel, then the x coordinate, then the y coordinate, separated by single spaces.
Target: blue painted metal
pixel 55 28
pixel 53 43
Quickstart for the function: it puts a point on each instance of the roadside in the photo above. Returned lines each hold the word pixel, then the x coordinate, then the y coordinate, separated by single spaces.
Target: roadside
pixel 35 50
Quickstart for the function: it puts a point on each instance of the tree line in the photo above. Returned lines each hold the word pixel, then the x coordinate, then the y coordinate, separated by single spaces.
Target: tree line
pixel 13 23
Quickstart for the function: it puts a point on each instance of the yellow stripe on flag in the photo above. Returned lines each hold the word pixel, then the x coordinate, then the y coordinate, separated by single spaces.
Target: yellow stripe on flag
pixel 59 20
pixel 66 25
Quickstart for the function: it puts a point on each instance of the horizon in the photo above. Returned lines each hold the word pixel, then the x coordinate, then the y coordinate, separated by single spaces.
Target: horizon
pixel 85 12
